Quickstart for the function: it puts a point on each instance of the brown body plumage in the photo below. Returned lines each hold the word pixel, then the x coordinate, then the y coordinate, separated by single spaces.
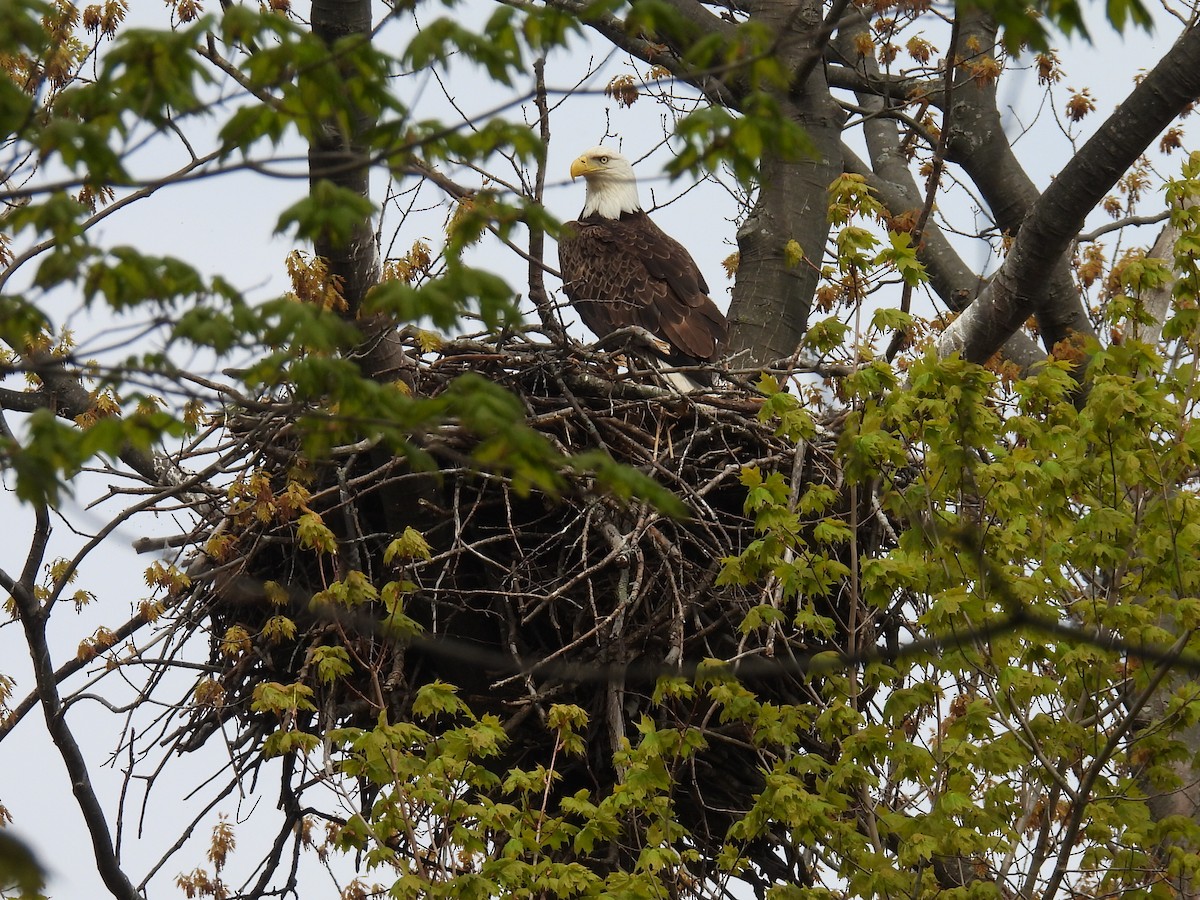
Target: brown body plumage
pixel 620 269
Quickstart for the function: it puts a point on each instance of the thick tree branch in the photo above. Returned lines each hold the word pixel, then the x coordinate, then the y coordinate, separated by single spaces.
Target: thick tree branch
pixel 890 176
pixel 896 88
pixel 1058 214
pixel 955 283
pixel 703 20
pixel 24 401
pixel 978 143
pixel 63 392
pixel 614 30
pixel 33 620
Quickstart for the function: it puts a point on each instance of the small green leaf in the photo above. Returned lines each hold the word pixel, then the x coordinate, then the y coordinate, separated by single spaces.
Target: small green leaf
pixel 410 545
pixel 437 697
pixel 332 663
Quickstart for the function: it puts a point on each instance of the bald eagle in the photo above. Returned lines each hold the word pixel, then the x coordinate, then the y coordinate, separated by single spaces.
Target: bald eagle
pixel 620 269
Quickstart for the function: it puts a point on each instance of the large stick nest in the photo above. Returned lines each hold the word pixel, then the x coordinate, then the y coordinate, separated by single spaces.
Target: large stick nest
pixel 526 600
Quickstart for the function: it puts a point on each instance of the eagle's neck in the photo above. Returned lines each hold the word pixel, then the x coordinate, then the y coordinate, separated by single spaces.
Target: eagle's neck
pixel 610 197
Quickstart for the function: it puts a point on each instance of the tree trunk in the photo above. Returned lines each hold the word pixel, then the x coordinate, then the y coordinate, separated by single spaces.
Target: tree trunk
pixel 771 298
pixel 341 158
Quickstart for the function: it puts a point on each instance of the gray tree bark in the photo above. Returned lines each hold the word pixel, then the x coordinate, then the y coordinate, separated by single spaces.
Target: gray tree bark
pixel 1056 216
pixel 891 177
pixel 1158 302
pixel 339 156
pixel 978 143
pixel 772 299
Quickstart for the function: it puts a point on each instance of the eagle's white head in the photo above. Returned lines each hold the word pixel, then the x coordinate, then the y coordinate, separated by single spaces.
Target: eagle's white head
pixel 611 186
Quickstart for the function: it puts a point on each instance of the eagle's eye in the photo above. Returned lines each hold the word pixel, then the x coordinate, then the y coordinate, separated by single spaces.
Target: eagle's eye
pixel 604 160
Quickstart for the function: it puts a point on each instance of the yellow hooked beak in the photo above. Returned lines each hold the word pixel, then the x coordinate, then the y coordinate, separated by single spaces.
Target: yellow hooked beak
pixel 585 165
